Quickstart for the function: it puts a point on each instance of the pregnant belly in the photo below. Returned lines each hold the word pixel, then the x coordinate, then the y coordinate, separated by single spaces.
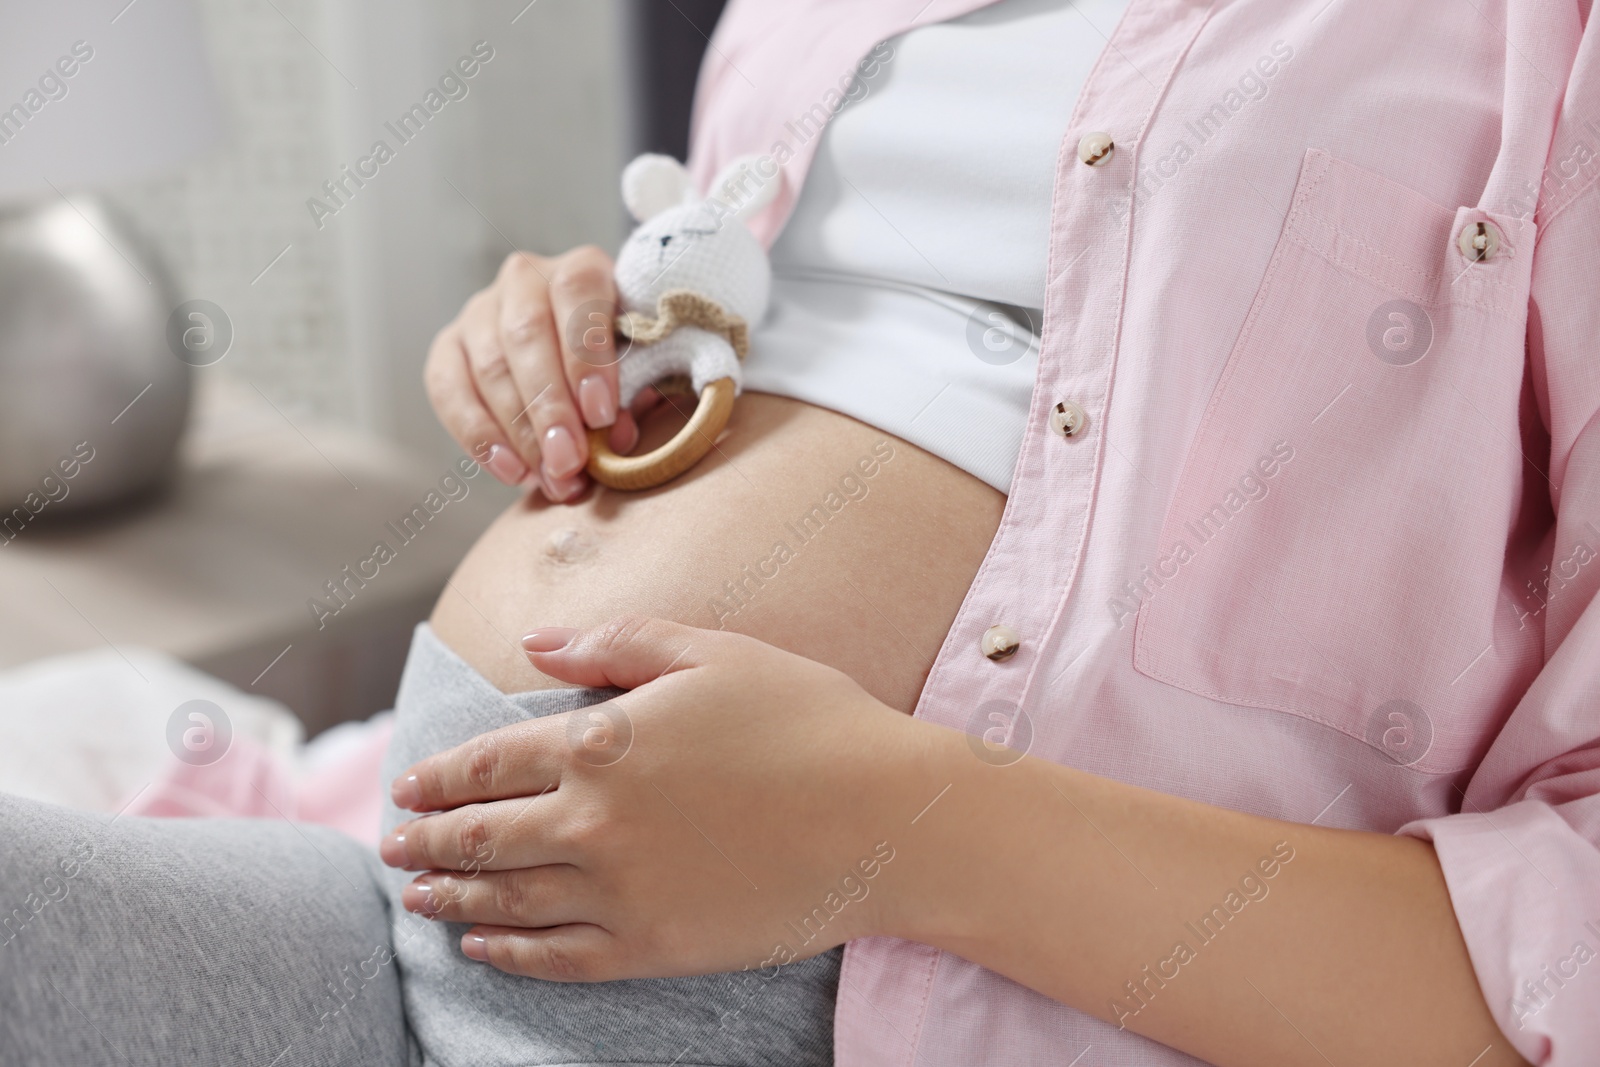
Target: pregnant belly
pixel 804 528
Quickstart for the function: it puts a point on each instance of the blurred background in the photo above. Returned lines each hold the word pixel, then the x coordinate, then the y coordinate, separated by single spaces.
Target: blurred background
pixel 216 295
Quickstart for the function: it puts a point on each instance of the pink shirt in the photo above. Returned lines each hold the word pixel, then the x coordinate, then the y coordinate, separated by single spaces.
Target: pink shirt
pixel 1325 544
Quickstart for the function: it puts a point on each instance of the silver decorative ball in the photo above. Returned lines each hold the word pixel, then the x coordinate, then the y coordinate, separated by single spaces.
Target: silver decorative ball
pixel 84 358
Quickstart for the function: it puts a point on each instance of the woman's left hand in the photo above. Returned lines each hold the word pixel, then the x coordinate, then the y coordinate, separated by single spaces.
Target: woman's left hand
pixel 745 807
pixel 740 807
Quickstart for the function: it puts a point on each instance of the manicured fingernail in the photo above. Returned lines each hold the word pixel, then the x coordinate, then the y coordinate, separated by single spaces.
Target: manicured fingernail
pixel 594 397
pixel 560 452
pixel 475 947
pixel 418 897
pixel 406 792
pixel 392 850
pixel 561 490
pixel 548 639
pixel 506 465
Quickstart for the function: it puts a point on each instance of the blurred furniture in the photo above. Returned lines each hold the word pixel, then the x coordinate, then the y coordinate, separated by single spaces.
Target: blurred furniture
pixel 218 571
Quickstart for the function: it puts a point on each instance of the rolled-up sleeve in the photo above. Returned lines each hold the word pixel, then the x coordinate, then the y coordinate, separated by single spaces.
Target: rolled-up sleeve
pixel 1522 856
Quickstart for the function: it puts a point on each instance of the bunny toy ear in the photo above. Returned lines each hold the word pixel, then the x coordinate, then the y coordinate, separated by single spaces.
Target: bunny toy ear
pixel 651 184
pixel 742 188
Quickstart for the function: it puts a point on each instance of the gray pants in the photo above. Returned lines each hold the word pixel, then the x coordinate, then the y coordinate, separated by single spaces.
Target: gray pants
pixel 261 943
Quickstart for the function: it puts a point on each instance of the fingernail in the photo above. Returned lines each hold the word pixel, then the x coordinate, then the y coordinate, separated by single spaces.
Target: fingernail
pixel 406 792
pixel 560 452
pixel 392 850
pixel 505 465
pixel 548 639
pixel 418 897
pixel 561 490
pixel 594 397
pixel 475 947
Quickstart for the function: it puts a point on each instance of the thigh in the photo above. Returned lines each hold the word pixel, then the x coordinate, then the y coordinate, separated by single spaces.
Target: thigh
pixel 165 941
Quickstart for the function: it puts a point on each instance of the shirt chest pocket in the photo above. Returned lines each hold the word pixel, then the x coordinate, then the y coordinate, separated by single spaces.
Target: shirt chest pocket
pixel 1332 549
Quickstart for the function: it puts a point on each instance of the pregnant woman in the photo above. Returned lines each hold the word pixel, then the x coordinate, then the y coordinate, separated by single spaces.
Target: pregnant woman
pixel 1188 412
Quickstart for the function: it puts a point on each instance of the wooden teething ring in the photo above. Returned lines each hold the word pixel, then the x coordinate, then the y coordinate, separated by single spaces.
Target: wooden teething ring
pixel 687 447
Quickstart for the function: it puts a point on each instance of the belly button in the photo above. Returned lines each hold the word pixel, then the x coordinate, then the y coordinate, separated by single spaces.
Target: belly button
pixel 568 545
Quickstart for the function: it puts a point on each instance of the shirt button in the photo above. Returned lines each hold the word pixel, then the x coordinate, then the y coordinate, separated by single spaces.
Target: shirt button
pixel 1480 241
pixel 1096 148
pixel 1068 419
pixel 1001 643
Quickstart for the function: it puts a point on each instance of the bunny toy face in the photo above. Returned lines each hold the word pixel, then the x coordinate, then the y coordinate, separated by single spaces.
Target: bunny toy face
pixel 689 247
pixel 684 242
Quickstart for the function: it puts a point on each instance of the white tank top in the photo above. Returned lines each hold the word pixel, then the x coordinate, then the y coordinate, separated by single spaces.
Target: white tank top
pixel 908 282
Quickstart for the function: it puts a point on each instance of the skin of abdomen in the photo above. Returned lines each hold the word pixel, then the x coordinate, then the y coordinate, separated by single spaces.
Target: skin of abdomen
pixel 803 528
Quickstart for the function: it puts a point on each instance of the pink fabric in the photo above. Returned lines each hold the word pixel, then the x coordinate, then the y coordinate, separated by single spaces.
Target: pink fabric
pixel 341 794
pixel 251 782
pixel 1290 568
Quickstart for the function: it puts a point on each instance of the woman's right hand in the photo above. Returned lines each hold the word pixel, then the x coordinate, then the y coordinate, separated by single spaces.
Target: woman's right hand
pixel 527 365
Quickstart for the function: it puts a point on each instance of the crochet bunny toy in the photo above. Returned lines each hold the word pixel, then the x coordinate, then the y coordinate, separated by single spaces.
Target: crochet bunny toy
pixel 692 280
